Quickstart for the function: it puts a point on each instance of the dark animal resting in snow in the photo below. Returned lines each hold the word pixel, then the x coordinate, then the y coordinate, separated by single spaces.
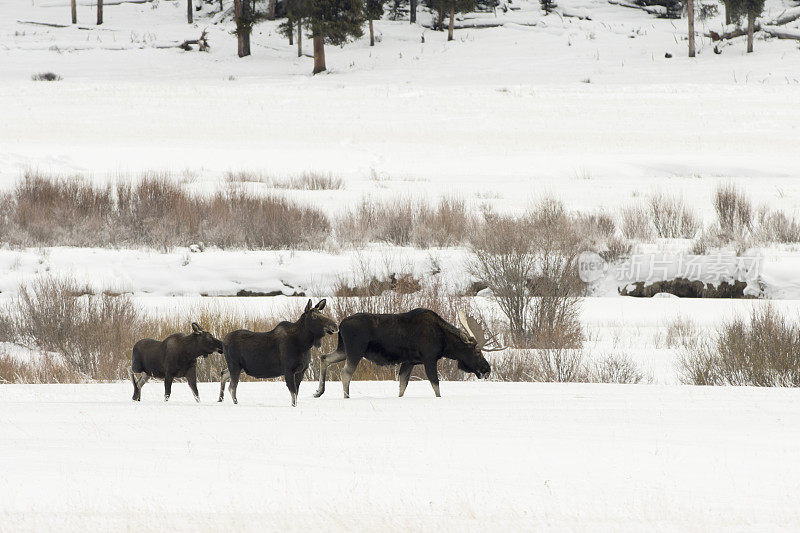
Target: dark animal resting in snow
pixel 418 337
pixel 174 357
pixel 284 351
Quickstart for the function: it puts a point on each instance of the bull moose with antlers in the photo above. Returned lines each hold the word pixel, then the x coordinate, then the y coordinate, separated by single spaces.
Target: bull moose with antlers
pixel 418 337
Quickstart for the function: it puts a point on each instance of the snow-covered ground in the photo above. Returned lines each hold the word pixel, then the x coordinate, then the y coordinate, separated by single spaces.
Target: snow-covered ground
pixel 484 457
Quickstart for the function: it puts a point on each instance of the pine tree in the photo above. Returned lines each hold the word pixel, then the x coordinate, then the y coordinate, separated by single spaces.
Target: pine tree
pixel 452 7
pixel 334 22
pixel 751 8
pixel 74 6
pixel 296 11
pixel 373 10
pixel 99 12
pixel 244 25
pixel 547 5
pixel 189 11
pixel 690 16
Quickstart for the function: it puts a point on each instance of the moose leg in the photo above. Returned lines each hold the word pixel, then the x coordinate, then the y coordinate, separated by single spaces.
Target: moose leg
pixel 291 384
pixel 191 377
pixel 403 375
pixel 138 383
pixel 324 362
pixel 234 383
pixel 433 376
pixel 167 387
pixel 135 387
pixel 347 374
pixel 224 377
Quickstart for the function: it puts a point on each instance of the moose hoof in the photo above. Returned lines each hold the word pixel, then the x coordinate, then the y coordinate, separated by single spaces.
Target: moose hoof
pixel 166 398
pixel 318 394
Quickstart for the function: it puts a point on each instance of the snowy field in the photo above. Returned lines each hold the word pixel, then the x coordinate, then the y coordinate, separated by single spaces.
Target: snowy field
pixel 486 456
pixel 582 105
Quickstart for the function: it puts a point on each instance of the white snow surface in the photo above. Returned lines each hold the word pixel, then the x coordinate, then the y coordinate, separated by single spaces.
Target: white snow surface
pixel 484 457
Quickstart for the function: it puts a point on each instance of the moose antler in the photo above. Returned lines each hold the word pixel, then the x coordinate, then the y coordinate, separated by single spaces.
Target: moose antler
pixel 475 330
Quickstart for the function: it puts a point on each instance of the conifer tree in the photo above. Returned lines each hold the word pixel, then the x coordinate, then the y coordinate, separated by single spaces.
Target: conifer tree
pixel 750 8
pixel 74 6
pixel 334 22
pixel 452 7
pixel 373 10
pixel 99 12
pixel 547 5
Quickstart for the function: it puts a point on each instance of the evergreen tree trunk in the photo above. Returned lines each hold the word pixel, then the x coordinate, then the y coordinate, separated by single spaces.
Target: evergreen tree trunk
pixel 271 9
pixel 452 22
pixel 221 7
pixel 291 35
pixel 240 11
pixel 727 13
pixel 413 10
pixel 99 12
pixel 690 11
pixel 189 11
pixel 74 5
pixel 751 22
pixel 299 37
pixel 319 54
pixel 371 34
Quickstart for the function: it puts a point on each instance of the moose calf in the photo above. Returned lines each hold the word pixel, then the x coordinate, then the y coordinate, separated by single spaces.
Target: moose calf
pixel 174 357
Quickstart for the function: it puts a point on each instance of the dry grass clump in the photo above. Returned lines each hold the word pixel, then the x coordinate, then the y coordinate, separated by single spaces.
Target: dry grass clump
pixel 406 222
pixel 156 211
pixel 564 366
pixel 47 368
pixel 672 218
pixel 762 350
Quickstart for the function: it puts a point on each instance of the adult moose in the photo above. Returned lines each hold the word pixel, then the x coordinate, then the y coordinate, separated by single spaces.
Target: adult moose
pixel 174 357
pixel 418 337
pixel 284 351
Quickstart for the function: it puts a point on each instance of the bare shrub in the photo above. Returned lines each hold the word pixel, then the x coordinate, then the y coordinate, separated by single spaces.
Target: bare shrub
pixel 776 226
pixel 310 181
pixel 636 224
pixel 734 209
pixel 672 218
pixel 405 222
pixel 46 76
pixel 93 334
pixel 616 368
pixel 46 368
pixel 762 350
pixel 519 258
pixel 155 212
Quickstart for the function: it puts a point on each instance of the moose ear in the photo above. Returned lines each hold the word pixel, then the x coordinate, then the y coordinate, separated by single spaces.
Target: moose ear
pixel 321 305
pixel 308 306
pixel 196 327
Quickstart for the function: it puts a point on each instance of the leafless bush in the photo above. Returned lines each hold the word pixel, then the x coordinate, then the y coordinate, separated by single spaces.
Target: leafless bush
pixel 92 333
pixel 616 368
pixel 776 226
pixel 310 181
pixel 636 224
pixel 156 212
pixel 762 351
pixel 47 368
pixel 734 209
pixel 519 258
pixel 672 218
pixel 405 222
